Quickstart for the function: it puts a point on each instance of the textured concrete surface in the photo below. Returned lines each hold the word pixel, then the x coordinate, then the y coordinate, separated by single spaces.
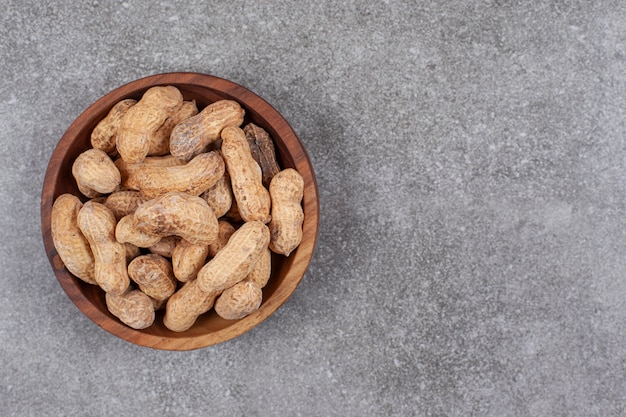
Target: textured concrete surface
pixel 471 159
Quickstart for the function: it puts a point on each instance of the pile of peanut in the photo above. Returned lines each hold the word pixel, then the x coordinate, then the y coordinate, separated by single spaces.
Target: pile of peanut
pixel 182 208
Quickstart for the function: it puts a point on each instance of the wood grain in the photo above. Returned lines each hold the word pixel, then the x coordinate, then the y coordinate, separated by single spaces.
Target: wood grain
pixel 287 273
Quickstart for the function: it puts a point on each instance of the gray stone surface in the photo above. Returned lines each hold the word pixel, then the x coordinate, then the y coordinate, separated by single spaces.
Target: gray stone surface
pixel 471 160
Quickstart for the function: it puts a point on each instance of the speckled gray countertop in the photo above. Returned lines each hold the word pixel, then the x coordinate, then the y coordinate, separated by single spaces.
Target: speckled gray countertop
pixel 471 161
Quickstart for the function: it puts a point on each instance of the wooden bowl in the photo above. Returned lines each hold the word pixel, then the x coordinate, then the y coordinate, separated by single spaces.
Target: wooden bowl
pixel 209 329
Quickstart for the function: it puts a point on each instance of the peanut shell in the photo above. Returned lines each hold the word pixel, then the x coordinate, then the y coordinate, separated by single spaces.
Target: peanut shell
pixel 180 214
pixel 185 305
pixel 132 307
pixel 286 190
pixel 220 196
pixel 154 276
pixel 94 170
pixel 127 231
pixel 123 203
pixel 192 136
pixel 70 243
pixel 263 151
pixel 235 261
pixel 103 135
pixel 97 223
pixel 142 120
pixel 187 259
pixel 253 200
pixel 127 169
pixel 193 178
pixel 160 141
pixel 239 300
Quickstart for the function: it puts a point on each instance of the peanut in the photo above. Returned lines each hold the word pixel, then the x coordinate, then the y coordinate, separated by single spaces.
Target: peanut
pixel 224 233
pixel 160 141
pixel 193 178
pixel 235 261
pixel 239 300
pixel 94 170
pixel 132 307
pixel 143 119
pixel 220 196
pixel 187 259
pixel 180 214
pixel 97 223
pixel 253 200
pixel 127 169
pixel 123 203
pixel 103 135
pixel 71 245
pixel 286 190
pixel 185 305
pixel 246 296
pixel 192 136
pixel 127 231
pixel 263 152
pixel 154 276
pixel 165 247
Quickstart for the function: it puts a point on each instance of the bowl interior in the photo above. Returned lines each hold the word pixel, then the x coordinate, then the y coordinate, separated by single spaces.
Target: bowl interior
pixel 209 329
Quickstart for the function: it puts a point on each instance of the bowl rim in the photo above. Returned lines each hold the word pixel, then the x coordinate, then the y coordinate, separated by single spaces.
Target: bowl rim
pixel 290 143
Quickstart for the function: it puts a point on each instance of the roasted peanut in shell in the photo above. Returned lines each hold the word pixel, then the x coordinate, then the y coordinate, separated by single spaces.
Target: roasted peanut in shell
pixel 253 199
pixel 160 141
pixel 103 135
pixel 142 120
pixel 126 231
pixel 187 259
pixel 263 151
pixel 286 190
pixel 123 203
pixel 154 276
pixel 97 223
pixel 185 305
pixel 193 136
pixel 128 169
pixel 235 261
pixel 220 196
pixel 195 177
pixel 70 243
pixel 132 307
pixel 179 214
pixel 95 173
pixel 246 296
pixel 238 301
